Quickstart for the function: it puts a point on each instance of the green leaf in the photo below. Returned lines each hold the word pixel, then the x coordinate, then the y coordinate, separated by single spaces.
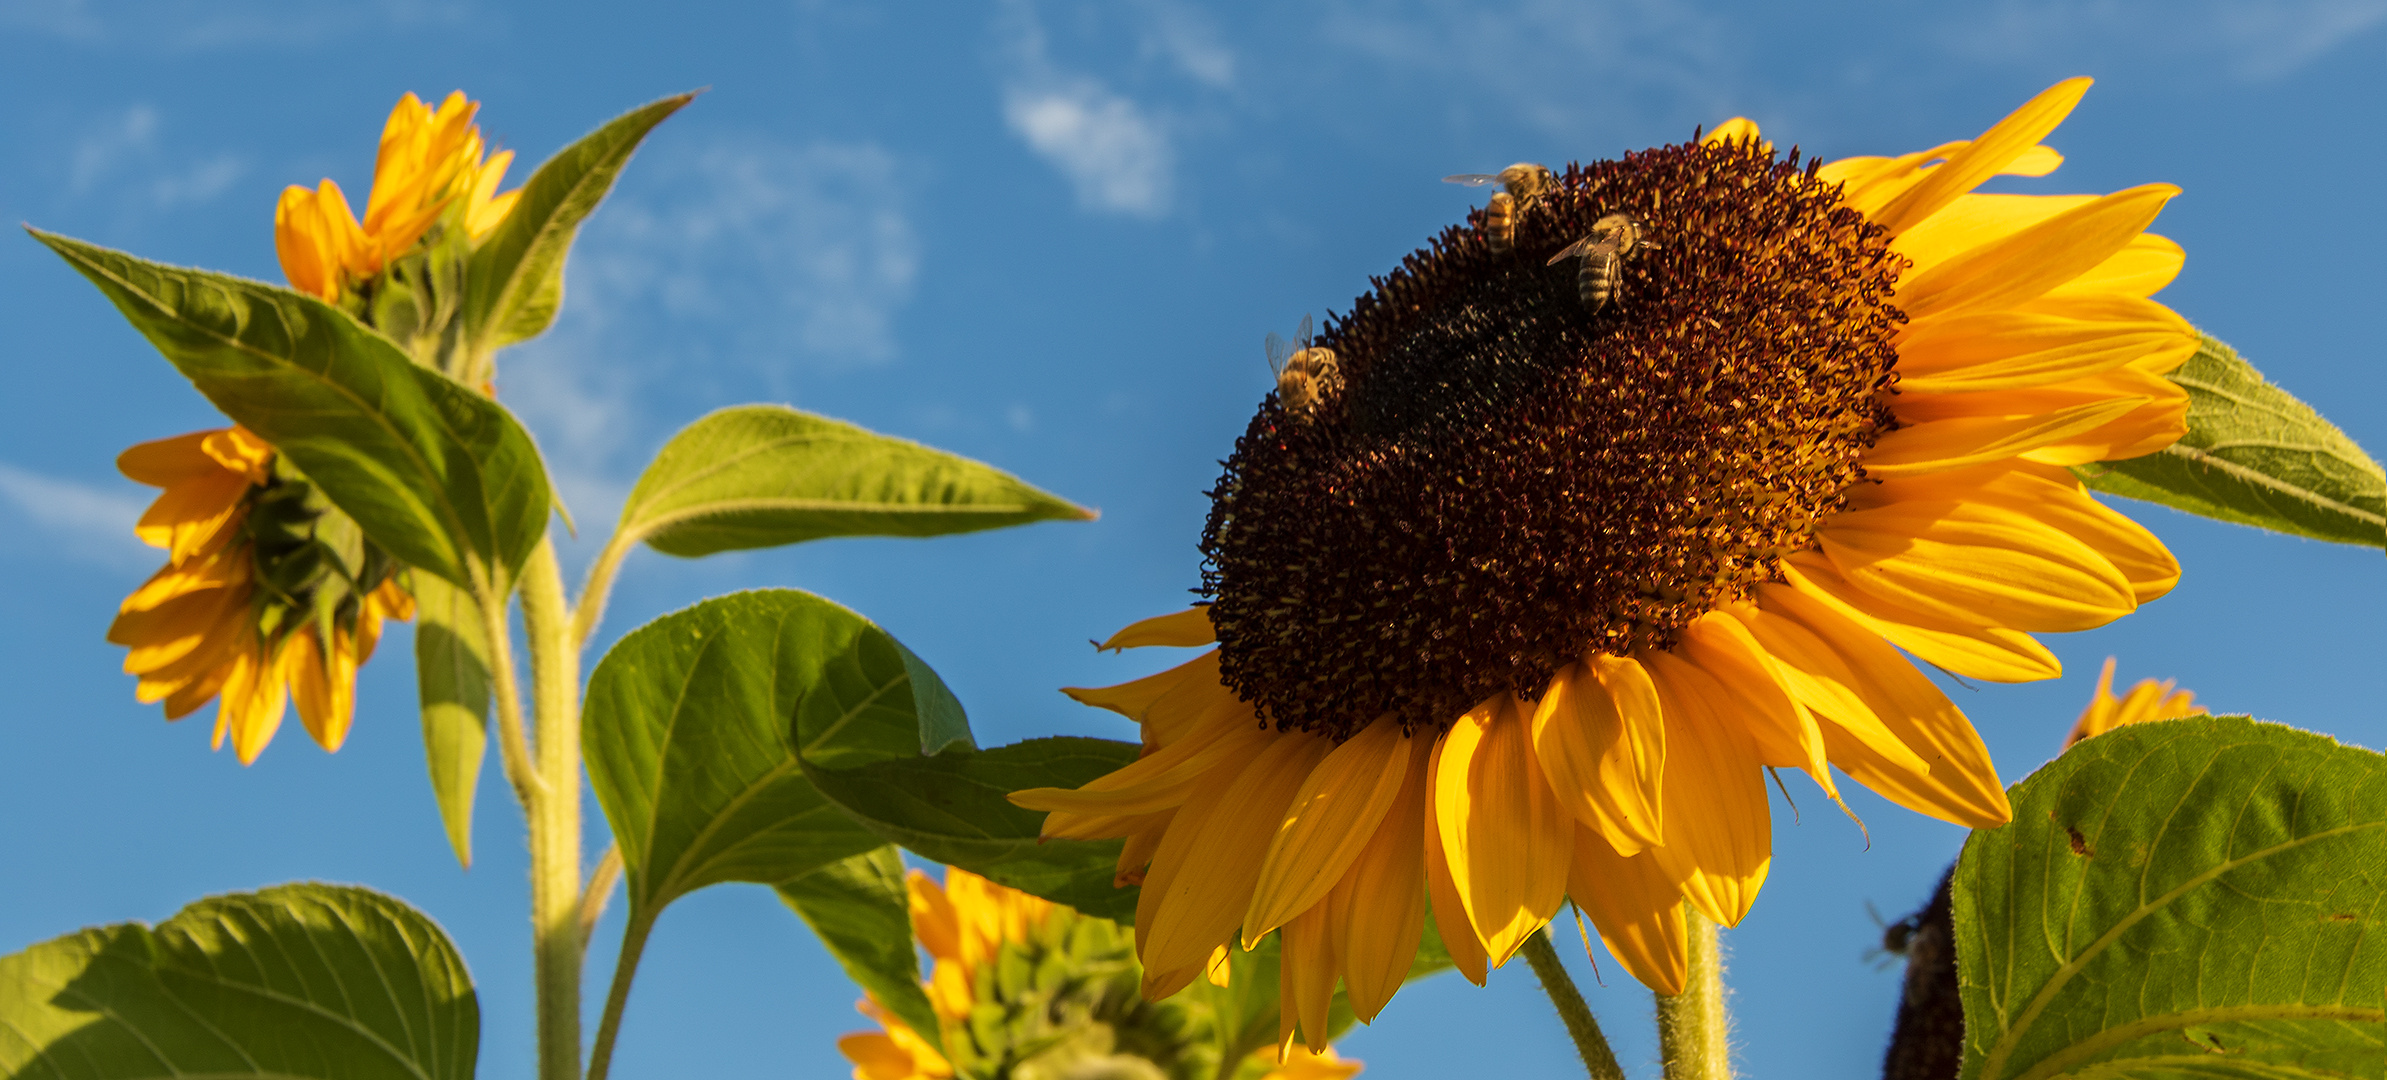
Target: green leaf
pixel 757 476
pixel 2197 897
pixel 295 981
pixel 442 477
pixel 2255 455
pixel 451 668
pixel 861 911
pixel 516 279
pixel 951 808
pixel 691 749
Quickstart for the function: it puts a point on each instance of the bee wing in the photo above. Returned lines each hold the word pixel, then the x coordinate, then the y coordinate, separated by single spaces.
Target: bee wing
pixel 1278 353
pixel 1572 250
pixel 1302 335
pixel 1471 179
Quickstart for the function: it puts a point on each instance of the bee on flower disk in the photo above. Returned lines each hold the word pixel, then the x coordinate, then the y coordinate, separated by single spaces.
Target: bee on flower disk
pixel 1304 376
pixel 1522 185
pixel 1612 237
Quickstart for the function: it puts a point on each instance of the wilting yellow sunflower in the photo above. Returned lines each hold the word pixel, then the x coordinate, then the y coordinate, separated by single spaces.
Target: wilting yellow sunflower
pixel 1062 1022
pixel 2149 700
pixel 1614 500
pixel 430 159
pixel 252 589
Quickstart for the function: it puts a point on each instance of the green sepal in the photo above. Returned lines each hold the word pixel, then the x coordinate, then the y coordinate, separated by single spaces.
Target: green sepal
pixel 754 476
pixel 442 477
pixel 296 982
pixel 2186 898
pixel 2254 455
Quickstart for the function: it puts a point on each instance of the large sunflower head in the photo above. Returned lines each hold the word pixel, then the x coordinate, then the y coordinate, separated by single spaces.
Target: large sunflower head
pixel 267 593
pixel 1025 988
pixel 1630 488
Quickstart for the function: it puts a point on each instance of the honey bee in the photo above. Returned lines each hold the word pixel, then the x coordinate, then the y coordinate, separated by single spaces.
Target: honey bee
pixel 1612 237
pixel 1304 376
pixel 1522 185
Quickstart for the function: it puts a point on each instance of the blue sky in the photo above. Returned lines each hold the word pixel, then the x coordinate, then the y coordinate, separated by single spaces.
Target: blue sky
pixel 1052 236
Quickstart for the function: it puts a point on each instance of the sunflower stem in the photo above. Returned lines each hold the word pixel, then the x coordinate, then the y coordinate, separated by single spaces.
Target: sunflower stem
pixel 1598 1060
pixel 555 879
pixel 1693 1029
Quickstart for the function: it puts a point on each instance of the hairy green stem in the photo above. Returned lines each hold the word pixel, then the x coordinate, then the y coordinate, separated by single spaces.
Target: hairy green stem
pixel 1694 1032
pixel 599 585
pixel 554 813
pixel 513 746
pixel 1598 1060
pixel 625 968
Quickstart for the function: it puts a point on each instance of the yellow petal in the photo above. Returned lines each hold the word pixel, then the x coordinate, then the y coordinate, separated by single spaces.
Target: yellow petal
pixel 1719 833
pixel 1158 781
pixel 2052 497
pixel 1202 877
pixel 1636 908
pixel 1601 741
pixel 1167 702
pixel 2034 260
pixel 1944 771
pixel 1975 563
pixel 1305 962
pixel 1143 836
pixel 323 686
pixel 1379 906
pixel 2142 268
pixel 1815 674
pixel 1989 653
pixel 1784 732
pixel 1987 156
pixel 1934 445
pixel 1190 627
pixel 2047 341
pixel 1335 815
pixel 253 701
pixel 1505 834
pixel 1973 220
pixel 1449 911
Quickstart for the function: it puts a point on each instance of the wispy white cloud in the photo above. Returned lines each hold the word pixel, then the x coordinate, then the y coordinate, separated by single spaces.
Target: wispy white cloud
pixel 736 269
pixel 2247 42
pixel 1186 38
pixel 121 154
pixel 89 523
pixel 1115 153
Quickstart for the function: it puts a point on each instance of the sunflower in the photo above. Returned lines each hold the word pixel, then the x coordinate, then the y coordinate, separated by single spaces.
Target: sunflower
pixel 1622 497
pixel 2149 700
pixel 1054 1005
pixel 256 604
pixel 430 161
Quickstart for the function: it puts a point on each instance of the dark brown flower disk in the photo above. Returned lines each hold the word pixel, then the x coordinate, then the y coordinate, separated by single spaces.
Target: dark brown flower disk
pixel 1509 480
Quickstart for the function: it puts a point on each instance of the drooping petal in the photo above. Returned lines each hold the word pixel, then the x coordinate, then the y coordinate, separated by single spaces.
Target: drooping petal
pixel 1754 697
pixel 1815 673
pixel 1601 741
pixel 1958 781
pixel 1442 890
pixel 1333 817
pixel 1198 889
pixel 1164 702
pixel 1305 962
pixel 1379 906
pixel 2055 498
pixel 1505 834
pixel 1719 833
pixel 323 685
pixel 1155 782
pixel 1636 908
